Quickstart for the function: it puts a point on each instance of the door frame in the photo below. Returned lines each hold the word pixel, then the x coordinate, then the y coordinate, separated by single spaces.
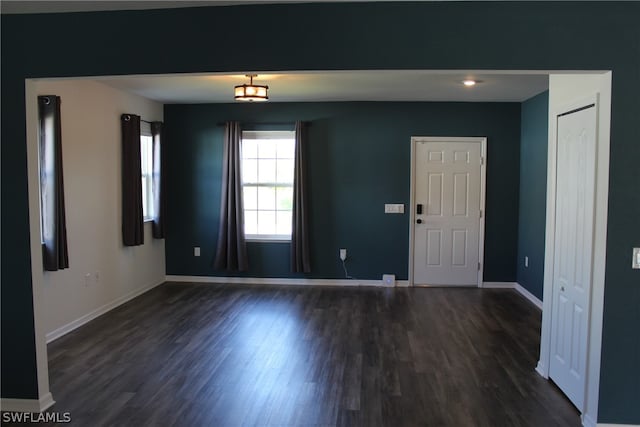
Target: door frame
pixel 483 189
pixel 600 95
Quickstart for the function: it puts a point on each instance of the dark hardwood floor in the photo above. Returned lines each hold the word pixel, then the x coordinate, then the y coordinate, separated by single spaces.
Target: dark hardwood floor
pixel 229 355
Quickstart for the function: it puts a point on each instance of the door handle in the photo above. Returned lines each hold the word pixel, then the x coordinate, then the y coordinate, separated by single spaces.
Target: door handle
pixel 562 288
pixel 419 221
pixel 419 209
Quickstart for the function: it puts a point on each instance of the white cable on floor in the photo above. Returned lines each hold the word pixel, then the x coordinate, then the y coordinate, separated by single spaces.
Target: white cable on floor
pixel 346 273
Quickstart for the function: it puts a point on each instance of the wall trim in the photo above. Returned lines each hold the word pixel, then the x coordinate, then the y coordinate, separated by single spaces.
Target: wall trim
pixel 28 405
pixel 75 324
pixel 499 285
pixel 517 287
pixel 609 425
pixel 528 295
pixel 588 422
pixel 284 281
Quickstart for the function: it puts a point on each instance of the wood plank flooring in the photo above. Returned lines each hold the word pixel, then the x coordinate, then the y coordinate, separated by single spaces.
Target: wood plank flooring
pixel 229 355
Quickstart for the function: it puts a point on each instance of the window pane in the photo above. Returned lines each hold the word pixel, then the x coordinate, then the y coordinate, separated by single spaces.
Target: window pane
pixel 250 197
pixel 266 222
pixel 267 148
pixel 250 222
pixel 249 149
pixel 284 199
pixel 286 148
pixel 249 171
pixel 146 168
pixel 285 171
pixel 266 198
pixel 146 152
pixel 145 202
pixel 267 171
pixel 283 225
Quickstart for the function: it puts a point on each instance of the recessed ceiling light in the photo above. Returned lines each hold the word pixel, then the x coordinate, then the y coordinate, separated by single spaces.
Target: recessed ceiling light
pixel 469 82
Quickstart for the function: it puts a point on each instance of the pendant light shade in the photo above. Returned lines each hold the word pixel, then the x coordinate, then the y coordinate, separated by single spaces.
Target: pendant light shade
pixel 251 92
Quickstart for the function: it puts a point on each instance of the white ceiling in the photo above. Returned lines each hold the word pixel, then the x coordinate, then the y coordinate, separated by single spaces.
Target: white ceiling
pixel 390 85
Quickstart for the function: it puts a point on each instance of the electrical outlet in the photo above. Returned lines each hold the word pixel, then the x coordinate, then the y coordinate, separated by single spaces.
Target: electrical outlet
pixel 635 264
pixel 196 251
pixel 343 254
pixel 87 280
pixel 526 261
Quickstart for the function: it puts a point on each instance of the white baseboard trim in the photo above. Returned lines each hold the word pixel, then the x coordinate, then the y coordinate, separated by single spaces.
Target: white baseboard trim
pixel 588 422
pixel 27 405
pixel 283 281
pixel 541 370
pixel 528 295
pixel 514 285
pixel 65 329
pixel 499 285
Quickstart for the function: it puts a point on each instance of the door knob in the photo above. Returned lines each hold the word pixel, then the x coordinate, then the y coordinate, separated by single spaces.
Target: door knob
pixel 562 288
pixel 419 221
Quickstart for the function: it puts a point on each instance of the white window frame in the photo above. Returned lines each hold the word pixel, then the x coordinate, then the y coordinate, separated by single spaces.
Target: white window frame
pixel 147 190
pixel 262 135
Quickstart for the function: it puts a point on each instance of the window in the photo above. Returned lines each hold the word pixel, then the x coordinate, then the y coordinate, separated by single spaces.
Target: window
pixel 146 163
pixel 267 183
pixel 46 167
pixel 55 255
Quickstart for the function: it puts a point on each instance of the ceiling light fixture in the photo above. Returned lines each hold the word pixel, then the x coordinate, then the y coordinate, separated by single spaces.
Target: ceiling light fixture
pixel 469 82
pixel 251 92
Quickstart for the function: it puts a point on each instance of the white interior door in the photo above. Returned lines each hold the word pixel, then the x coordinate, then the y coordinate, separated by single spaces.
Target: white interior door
pixel 575 187
pixel 447 198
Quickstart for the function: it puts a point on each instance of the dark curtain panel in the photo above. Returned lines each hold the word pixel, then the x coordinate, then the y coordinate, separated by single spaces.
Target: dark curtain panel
pixel 231 254
pixel 158 180
pixel 55 254
pixel 300 260
pixel 132 216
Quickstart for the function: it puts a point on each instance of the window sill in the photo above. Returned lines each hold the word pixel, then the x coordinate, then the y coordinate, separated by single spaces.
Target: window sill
pixel 267 240
pixel 146 220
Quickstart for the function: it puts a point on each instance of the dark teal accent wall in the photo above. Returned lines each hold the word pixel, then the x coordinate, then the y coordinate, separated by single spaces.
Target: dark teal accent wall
pixel 359 159
pixel 337 36
pixel 533 192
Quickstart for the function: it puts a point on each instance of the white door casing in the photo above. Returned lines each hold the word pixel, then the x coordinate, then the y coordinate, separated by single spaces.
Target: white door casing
pixel 573 255
pixel 447 237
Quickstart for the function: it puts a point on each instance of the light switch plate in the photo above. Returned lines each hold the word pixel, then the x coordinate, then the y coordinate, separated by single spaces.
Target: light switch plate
pixel 196 251
pixel 396 208
pixel 635 264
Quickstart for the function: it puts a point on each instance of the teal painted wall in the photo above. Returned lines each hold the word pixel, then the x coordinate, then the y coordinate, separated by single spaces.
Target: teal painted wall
pixel 359 159
pixel 533 192
pixel 337 36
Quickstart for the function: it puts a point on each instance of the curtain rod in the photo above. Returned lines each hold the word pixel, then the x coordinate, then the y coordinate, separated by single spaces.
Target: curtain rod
pixel 128 117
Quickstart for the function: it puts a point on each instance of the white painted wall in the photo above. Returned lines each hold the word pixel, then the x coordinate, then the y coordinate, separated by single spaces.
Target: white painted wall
pixel 91 147
pixel 566 91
